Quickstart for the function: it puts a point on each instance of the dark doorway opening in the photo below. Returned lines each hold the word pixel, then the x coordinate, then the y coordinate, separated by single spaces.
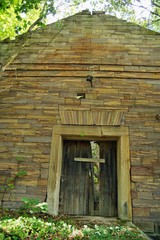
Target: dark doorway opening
pixel 89 178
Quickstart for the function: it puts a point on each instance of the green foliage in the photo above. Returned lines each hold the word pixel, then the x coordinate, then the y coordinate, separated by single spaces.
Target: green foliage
pixel 17 16
pixel 21 173
pixel 11 178
pixel 32 205
pixel 25 227
pixel 10 181
pixel 115 232
pixel 29 203
pixel 19 159
pixel 155 15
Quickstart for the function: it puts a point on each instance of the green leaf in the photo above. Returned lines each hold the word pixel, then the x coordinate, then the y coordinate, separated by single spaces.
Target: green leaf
pixel 2 236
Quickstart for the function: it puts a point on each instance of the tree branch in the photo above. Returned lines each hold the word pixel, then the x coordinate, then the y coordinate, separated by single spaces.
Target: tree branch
pixel 39 19
pixel 14 55
pixel 154 13
pixel 155 4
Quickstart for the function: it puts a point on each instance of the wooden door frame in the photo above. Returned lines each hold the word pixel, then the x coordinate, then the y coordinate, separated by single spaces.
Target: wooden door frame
pixel 61 132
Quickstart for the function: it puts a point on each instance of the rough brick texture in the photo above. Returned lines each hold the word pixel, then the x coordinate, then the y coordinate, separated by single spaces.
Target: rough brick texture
pixel 49 68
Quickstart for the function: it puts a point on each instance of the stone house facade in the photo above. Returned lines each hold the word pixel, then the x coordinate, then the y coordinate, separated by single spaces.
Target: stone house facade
pixel 92 78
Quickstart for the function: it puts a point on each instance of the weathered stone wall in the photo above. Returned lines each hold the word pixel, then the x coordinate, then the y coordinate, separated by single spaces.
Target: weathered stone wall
pixel 49 69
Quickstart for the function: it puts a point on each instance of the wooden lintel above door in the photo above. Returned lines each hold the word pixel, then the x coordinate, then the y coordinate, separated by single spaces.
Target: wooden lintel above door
pixel 92 160
pixel 93 118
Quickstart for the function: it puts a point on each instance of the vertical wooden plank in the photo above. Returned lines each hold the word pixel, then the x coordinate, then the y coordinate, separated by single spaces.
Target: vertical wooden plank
pixel 54 174
pixel 124 195
pixel 108 180
pixel 91 190
pixel 75 178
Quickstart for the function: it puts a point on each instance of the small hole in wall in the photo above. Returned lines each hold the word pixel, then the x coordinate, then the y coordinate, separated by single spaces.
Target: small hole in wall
pixel 81 95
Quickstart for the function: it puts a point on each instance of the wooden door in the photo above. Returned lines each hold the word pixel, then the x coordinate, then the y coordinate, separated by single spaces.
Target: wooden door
pixel 74 193
pixel 78 191
pixel 108 180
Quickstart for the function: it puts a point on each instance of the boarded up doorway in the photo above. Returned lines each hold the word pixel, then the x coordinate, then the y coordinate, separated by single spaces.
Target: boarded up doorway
pixel 89 178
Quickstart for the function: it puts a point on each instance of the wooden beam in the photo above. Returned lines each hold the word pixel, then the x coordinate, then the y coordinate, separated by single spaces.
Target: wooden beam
pixel 94 160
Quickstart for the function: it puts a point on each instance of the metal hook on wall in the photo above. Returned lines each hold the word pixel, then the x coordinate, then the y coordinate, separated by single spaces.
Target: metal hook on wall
pixel 89 79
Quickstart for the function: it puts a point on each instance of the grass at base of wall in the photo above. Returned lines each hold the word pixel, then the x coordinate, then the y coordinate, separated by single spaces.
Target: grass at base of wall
pixel 24 225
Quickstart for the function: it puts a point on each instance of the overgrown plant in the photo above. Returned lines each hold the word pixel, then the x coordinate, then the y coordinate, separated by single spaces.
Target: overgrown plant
pixel 31 205
pixel 10 180
pixel 58 229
